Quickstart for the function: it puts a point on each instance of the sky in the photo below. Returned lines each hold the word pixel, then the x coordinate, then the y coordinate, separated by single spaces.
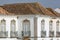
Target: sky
pixel 45 3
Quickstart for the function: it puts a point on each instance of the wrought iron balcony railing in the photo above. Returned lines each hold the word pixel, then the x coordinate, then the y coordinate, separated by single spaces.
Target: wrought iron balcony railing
pixel 57 34
pixel 13 34
pixel 26 33
pixel 3 34
pixel 43 33
pixel 51 33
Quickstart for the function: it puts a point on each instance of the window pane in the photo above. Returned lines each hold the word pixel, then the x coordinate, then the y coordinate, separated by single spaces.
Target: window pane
pixel 3 32
pixel 57 29
pixel 51 32
pixel 57 26
pixel 26 27
pixel 13 25
pixel 51 25
pixel 3 25
pixel 13 32
pixel 42 25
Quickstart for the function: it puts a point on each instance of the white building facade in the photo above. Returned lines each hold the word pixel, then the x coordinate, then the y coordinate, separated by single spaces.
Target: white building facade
pixel 32 22
pixel 51 29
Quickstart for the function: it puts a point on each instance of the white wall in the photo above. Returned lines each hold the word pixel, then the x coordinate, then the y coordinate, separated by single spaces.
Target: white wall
pixel 47 19
pixel 21 19
pixel 8 20
pixel 19 24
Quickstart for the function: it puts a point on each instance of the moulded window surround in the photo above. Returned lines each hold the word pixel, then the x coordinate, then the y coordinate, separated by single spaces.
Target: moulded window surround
pixel 43 31
pixel 26 27
pixel 51 31
pixel 57 26
pixel 13 25
pixel 13 32
pixel 3 25
pixel 57 29
pixel 3 32
pixel 51 25
pixel 42 25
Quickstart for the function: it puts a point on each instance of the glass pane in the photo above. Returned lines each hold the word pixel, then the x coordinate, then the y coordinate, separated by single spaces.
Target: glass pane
pixel 57 26
pixel 26 28
pixel 3 32
pixel 42 25
pixel 13 25
pixel 13 32
pixel 51 25
pixel 3 25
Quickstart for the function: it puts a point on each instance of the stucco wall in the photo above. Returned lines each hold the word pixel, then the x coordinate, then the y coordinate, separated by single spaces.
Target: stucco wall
pixel 20 24
pixel 47 19
pixel 8 22
pixel 21 18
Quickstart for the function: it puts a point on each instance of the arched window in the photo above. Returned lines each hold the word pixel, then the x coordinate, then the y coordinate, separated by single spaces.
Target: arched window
pixel 51 25
pixel 13 32
pixel 51 32
pixel 3 25
pixel 13 25
pixel 43 31
pixel 57 29
pixel 42 25
pixel 26 27
pixel 57 26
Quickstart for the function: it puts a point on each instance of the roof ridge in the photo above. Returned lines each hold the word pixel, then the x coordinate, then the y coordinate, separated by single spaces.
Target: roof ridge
pixel 50 9
pixel 27 8
pixel 46 10
pixel 32 9
pixel 20 3
pixel 54 12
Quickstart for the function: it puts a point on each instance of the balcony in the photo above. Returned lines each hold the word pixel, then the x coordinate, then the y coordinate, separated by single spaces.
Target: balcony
pixel 13 34
pixel 3 34
pixel 57 34
pixel 26 33
pixel 51 33
pixel 43 34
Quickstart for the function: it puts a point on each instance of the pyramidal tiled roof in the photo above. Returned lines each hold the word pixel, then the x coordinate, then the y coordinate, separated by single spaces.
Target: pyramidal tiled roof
pixel 25 9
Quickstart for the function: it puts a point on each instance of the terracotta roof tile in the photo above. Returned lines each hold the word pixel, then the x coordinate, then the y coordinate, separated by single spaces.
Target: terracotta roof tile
pixel 2 11
pixel 26 9
pixel 54 12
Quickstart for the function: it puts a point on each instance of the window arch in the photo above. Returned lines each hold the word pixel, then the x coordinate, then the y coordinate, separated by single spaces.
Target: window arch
pixel 13 25
pixel 3 25
pixel 51 25
pixel 42 25
pixel 57 25
pixel 26 27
